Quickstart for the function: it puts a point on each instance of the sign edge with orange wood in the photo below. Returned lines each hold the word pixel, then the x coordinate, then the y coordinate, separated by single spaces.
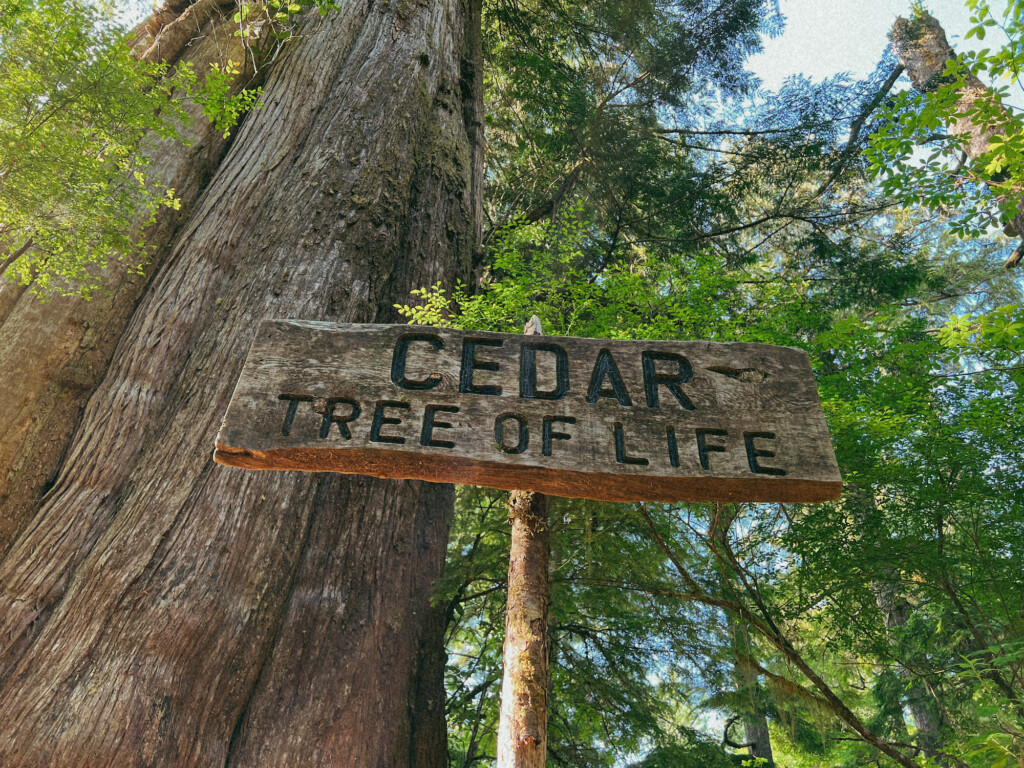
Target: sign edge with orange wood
pixel 611 420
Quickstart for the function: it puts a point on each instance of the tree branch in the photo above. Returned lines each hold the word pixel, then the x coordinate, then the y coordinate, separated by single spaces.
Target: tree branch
pixel 782 644
pixel 856 126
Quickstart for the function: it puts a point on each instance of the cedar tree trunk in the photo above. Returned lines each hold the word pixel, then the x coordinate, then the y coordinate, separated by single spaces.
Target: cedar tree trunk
pixel 161 610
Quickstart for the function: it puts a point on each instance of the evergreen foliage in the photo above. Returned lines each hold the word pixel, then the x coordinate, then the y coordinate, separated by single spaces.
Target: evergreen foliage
pixel 770 231
pixel 641 185
pixel 77 109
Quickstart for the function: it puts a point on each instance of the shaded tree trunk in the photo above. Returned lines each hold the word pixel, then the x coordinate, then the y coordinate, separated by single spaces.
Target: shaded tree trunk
pixel 895 611
pixel 755 719
pixel 159 609
pixel 923 708
pixel 756 729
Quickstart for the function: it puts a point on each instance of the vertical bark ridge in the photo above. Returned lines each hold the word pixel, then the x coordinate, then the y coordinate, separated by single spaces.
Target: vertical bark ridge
pixel 472 86
pixel 265 661
pixel 427 706
pixel 321 689
pixel 138 608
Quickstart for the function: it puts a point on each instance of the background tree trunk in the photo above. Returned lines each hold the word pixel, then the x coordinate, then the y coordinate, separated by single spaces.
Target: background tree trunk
pixel 895 612
pixel 523 725
pixel 53 355
pixel 163 610
pixel 923 708
pixel 755 719
pixel 921 47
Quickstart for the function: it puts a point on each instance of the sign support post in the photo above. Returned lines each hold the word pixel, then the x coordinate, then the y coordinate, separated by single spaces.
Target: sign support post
pixel 523 727
pixel 603 419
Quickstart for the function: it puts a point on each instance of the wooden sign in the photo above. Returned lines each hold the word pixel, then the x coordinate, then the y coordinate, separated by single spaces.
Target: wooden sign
pixel 588 418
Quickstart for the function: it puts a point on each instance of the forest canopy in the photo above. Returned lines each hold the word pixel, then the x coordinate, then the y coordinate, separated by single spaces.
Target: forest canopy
pixel 641 183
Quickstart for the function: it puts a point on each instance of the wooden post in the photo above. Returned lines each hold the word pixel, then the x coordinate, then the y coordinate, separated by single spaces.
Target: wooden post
pixel 523 729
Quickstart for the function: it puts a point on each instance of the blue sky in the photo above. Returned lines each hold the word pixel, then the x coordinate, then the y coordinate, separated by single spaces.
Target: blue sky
pixel 825 37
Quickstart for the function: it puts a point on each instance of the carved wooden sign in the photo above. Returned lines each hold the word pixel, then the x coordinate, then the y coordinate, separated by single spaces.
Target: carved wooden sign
pixel 588 418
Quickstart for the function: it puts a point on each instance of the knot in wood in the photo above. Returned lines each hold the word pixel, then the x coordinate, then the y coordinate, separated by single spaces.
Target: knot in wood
pixel 529 508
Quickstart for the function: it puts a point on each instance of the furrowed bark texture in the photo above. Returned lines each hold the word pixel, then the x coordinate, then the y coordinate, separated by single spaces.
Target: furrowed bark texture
pixel 163 610
pixel 522 730
pixel 53 355
pixel 921 47
pixel 473 101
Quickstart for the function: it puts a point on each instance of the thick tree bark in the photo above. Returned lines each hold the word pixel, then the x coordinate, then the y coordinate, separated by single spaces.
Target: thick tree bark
pixel 53 355
pixel 163 610
pixel 921 47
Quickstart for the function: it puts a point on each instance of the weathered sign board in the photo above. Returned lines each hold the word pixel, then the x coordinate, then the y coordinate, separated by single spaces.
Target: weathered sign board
pixel 587 418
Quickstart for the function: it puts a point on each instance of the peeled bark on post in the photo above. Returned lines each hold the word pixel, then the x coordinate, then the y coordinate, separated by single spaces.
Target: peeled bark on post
pixel 161 610
pixel 523 727
pixel 920 45
pixel 755 719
